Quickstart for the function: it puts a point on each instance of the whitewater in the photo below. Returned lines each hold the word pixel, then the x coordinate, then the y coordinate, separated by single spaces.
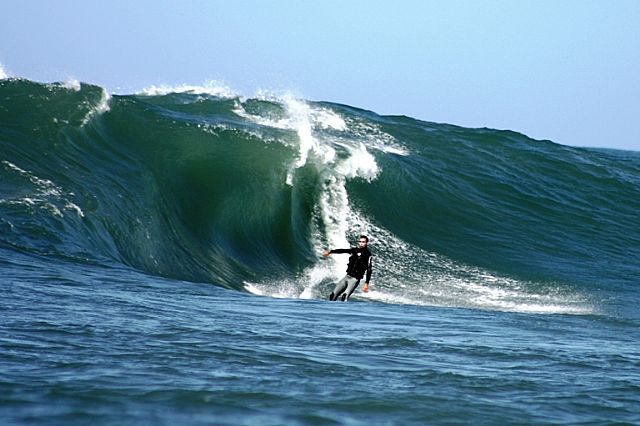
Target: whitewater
pixel 160 258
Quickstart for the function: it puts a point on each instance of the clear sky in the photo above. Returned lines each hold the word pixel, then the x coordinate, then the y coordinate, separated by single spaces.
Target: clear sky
pixel 564 70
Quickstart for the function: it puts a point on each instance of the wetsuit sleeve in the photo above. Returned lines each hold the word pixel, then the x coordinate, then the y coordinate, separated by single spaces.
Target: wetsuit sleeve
pixel 369 269
pixel 338 251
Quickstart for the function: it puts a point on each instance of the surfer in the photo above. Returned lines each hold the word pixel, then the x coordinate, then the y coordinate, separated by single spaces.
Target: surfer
pixel 359 264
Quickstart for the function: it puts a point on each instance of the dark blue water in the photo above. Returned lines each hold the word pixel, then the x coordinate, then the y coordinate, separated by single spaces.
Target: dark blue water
pixel 109 345
pixel 160 264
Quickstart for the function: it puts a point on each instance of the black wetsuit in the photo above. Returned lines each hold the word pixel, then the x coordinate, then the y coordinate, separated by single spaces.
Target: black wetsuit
pixel 360 263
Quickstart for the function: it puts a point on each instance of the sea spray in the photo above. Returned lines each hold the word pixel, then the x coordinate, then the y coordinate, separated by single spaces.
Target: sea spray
pixel 335 160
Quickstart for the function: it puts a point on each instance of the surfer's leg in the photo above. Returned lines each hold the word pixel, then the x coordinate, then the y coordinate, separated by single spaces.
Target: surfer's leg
pixel 340 287
pixel 352 284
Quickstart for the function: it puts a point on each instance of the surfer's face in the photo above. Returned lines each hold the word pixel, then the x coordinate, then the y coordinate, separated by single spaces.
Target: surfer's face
pixel 362 243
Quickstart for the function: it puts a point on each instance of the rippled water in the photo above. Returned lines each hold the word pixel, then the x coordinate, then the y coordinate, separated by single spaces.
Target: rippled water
pixel 109 345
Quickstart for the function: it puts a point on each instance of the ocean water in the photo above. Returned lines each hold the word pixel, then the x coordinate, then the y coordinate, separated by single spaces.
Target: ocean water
pixel 160 263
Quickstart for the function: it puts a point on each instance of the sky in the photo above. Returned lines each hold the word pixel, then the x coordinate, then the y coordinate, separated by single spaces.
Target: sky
pixel 566 71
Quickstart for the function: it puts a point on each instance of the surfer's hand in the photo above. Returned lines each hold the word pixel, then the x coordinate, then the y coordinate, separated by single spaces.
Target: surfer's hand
pixel 366 287
pixel 326 253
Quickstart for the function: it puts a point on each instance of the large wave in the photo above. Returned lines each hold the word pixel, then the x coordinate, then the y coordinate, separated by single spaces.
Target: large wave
pixel 201 184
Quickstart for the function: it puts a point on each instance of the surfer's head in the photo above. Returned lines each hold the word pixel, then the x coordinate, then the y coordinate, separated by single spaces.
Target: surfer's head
pixel 363 240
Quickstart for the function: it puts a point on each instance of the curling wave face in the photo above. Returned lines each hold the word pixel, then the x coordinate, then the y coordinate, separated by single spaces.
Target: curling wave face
pixel 202 184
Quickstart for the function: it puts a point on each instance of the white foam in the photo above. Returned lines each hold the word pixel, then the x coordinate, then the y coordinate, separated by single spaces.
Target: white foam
pixel 374 137
pixel 326 141
pixel 307 121
pixel 359 164
pixel 74 207
pixel 72 84
pixel 45 186
pixel 212 88
pixel 100 108
pixel 47 195
pixel 277 289
pixel 327 119
pixel 302 119
pixel 3 73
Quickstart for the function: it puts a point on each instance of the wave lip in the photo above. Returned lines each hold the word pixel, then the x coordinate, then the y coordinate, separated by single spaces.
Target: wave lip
pixel 211 88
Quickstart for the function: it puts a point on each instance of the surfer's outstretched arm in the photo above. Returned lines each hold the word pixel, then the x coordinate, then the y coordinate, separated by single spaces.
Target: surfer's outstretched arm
pixel 330 252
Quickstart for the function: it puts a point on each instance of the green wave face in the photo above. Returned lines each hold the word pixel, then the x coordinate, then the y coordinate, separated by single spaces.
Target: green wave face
pixel 245 193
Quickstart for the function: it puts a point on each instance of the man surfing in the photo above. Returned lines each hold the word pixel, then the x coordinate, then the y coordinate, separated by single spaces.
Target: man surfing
pixel 359 265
